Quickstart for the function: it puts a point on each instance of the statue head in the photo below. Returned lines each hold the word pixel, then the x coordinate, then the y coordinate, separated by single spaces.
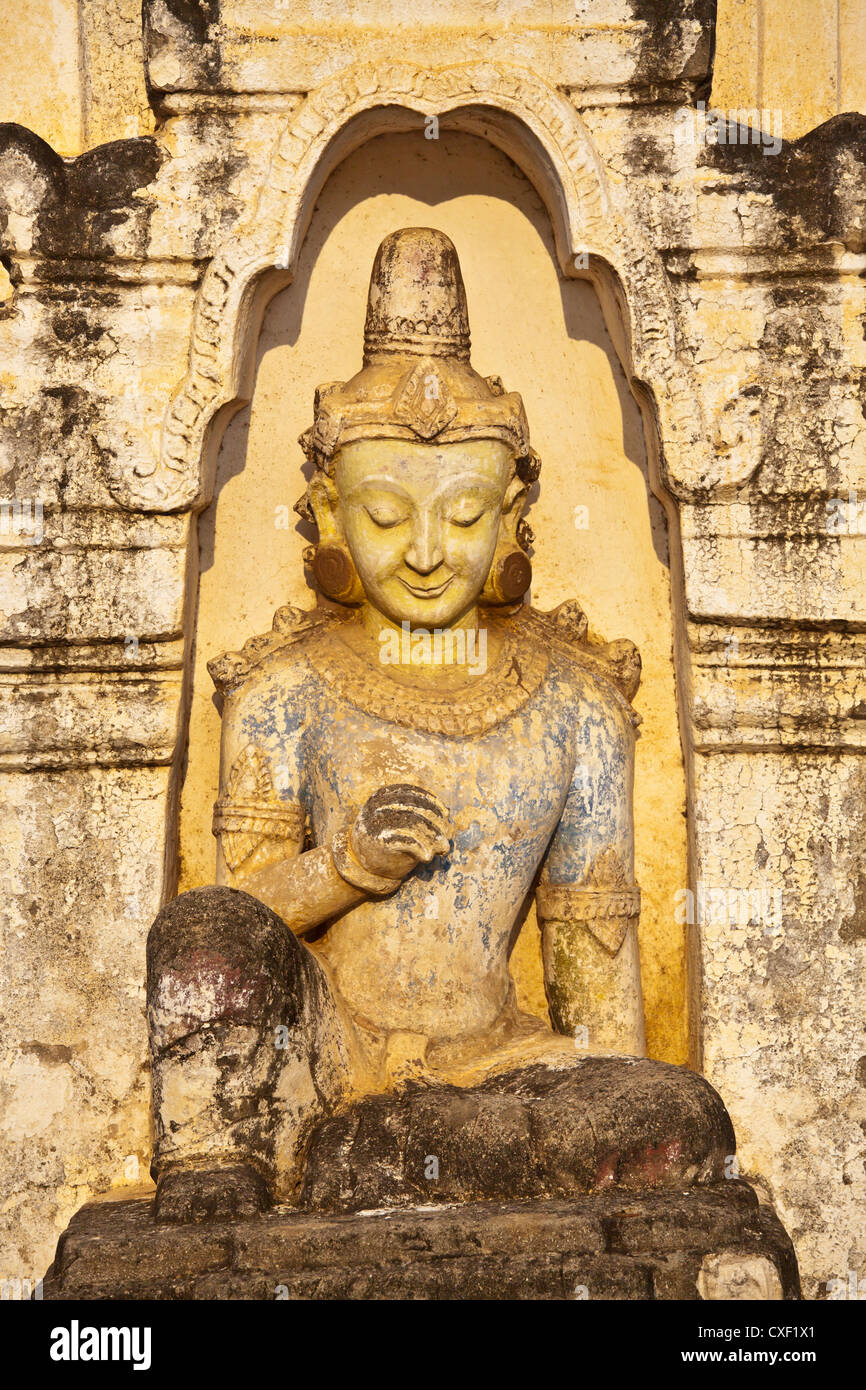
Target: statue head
pixel 422 467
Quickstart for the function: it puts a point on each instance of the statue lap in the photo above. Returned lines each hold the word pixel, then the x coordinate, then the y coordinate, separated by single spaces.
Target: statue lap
pixel 234 995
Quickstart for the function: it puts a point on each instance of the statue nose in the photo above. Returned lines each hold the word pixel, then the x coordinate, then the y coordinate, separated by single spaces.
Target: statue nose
pixel 424 554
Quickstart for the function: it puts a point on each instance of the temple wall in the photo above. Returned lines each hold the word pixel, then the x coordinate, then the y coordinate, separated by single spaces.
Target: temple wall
pixel 804 57
pixel 693 376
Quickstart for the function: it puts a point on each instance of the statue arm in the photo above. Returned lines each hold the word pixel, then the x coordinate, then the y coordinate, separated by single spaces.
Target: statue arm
pixel 588 903
pixel 260 818
pixel 309 887
pixel 305 891
pixel 260 825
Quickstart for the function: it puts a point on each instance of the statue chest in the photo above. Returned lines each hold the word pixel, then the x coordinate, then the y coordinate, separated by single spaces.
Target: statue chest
pixel 433 957
pixel 505 789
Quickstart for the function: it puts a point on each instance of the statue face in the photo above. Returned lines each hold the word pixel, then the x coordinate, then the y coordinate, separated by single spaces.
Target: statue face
pixel 421 522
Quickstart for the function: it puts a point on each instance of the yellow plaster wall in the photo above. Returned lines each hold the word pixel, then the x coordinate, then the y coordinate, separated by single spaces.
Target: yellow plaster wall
pixel 547 339
pixel 72 70
pixel 40 73
pixel 803 58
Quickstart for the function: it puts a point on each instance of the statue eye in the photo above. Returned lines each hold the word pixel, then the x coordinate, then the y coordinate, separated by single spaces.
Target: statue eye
pixel 384 517
pixel 467 520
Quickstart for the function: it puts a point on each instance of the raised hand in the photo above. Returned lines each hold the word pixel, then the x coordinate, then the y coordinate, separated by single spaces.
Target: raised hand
pixel 399 827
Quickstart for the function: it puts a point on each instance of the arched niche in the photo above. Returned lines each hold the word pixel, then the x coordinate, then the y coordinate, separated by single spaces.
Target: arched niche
pixel 596 236
pixel 545 334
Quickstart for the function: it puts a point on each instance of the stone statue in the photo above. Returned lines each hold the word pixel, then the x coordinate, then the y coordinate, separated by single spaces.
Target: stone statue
pixel 401 768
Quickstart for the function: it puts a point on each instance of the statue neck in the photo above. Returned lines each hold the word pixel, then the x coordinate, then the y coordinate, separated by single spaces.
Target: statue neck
pixel 419 647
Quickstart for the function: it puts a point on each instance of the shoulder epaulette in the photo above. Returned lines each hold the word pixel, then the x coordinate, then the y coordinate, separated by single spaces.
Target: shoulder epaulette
pixel 566 629
pixel 290 626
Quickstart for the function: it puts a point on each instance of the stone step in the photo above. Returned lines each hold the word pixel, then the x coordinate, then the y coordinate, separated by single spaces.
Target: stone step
pixel 713 1242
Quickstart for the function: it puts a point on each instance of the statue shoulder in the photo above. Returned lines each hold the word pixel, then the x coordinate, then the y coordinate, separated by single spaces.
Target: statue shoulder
pixel 614 667
pixel 284 646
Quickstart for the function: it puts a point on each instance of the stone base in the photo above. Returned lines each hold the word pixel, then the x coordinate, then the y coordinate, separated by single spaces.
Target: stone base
pixel 711 1243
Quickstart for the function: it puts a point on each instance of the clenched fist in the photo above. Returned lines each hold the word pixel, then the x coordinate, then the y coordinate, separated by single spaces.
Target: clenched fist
pixel 398 827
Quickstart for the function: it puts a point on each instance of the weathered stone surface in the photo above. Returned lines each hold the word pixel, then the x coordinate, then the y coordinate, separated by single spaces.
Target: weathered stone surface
pixel 586 45
pixel 532 1134
pixel 76 205
pixel 489 1250
pixel 190 1195
pixel 670 1226
pixel 74 1091
pixel 791 975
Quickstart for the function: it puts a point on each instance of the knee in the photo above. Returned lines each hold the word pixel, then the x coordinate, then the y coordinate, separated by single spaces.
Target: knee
pixel 238 926
pixel 215 955
pixel 647 1124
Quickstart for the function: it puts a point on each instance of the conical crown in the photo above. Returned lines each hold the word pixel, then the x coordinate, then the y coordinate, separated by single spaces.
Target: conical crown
pixel 417 381
pixel 417 300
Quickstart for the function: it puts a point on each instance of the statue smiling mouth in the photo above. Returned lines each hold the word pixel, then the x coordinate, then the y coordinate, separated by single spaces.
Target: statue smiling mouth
pixel 429 591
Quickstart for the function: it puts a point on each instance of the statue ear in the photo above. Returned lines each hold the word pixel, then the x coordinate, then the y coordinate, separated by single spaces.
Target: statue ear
pixel 510 573
pixel 513 504
pixel 325 506
pixel 332 565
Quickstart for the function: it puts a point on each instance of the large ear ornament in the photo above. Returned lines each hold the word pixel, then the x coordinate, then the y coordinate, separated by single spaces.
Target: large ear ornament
pixel 334 572
pixel 509 578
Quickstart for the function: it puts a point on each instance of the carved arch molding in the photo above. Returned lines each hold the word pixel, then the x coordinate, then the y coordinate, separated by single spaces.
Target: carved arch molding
pixel 542 132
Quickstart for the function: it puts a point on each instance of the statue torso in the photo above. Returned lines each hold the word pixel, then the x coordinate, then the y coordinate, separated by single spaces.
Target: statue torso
pixel 501 753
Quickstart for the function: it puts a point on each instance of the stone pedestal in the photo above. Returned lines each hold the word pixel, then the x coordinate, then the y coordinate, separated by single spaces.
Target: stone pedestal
pixel 706 1243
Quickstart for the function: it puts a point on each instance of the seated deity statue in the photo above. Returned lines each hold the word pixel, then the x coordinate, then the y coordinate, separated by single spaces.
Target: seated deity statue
pixel 403 768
